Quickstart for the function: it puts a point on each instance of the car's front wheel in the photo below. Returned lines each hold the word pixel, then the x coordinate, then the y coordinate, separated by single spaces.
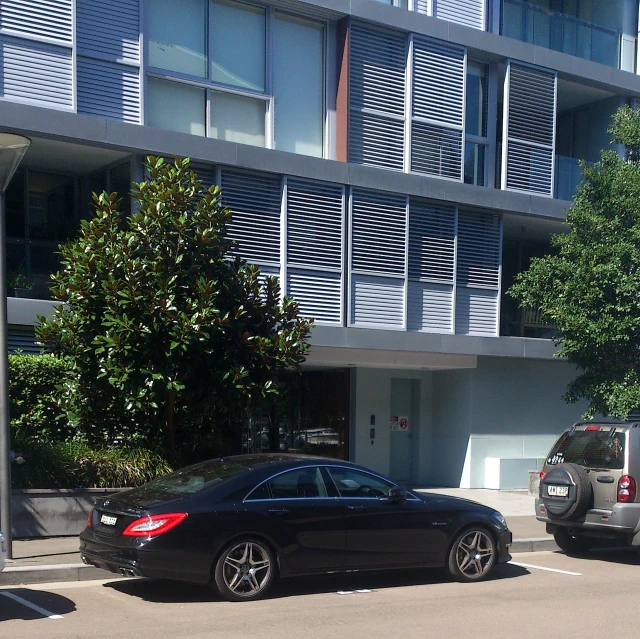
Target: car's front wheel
pixel 472 555
pixel 245 570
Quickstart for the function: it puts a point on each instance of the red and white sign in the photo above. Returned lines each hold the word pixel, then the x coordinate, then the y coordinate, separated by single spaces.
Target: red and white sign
pixel 399 423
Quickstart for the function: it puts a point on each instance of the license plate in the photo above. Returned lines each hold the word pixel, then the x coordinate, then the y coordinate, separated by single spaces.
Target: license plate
pixel 107 520
pixel 558 491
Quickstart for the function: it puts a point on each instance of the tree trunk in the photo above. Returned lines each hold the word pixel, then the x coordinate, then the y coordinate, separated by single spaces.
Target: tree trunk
pixel 169 425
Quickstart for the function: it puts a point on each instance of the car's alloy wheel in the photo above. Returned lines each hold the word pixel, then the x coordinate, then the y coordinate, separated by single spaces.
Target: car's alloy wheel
pixel 244 570
pixel 472 555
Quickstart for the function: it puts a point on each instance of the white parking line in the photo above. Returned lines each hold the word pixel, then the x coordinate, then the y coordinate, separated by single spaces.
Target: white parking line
pixel 28 604
pixel 563 572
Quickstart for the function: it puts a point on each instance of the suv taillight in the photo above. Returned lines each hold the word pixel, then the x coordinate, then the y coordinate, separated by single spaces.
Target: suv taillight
pixel 626 489
pixel 542 476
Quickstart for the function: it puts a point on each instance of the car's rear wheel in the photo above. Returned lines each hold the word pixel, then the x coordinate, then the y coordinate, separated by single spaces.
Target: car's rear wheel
pixel 572 544
pixel 245 570
pixel 472 555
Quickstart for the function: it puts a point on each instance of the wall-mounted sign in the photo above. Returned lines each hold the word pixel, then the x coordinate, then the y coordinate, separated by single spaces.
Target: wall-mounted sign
pixel 399 423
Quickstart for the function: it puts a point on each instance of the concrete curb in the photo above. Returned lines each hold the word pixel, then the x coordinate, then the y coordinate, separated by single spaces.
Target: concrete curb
pixel 24 575
pixel 533 545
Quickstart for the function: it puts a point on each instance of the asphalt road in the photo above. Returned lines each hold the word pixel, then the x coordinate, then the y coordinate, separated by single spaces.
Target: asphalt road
pixel 547 594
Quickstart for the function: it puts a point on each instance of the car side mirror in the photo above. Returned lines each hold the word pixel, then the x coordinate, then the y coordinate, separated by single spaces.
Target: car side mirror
pixel 396 494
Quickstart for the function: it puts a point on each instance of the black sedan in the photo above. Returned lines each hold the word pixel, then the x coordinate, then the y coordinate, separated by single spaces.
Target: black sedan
pixel 238 523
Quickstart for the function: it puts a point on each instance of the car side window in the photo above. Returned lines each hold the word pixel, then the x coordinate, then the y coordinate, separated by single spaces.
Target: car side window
pixel 302 483
pixel 260 492
pixel 355 483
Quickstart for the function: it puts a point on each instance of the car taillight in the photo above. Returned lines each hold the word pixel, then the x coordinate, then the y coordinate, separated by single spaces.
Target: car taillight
pixel 153 525
pixel 89 518
pixel 626 489
pixel 542 474
pixel 593 427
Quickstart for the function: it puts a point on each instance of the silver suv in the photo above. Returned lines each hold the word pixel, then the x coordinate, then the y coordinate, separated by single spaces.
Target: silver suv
pixel 589 486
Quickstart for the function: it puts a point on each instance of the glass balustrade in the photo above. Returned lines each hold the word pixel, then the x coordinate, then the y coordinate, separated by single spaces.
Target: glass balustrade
pixel 561 32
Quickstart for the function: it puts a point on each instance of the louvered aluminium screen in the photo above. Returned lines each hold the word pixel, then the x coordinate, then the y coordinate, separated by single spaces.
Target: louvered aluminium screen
pixel 469 13
pixel 378 232
pixel 437 108
pixel 314 224
pixel 377 69
pixel 314 240
pixel 22 340
pixel 478 260
pixel 318 293
pixel 431 241
pixel 108 89
pixel 377 301
pixel 431 266
pixel 476 312
pixel 255 201
pixel 206 173
pixel 50 19
pixel 110 28
pixel 529 151
pixel 37 72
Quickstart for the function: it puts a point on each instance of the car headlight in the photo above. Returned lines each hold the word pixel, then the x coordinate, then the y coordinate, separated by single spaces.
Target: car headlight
pixel 500 520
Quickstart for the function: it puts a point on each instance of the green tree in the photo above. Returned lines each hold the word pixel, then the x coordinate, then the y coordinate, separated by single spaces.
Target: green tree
pixel 165 332
pixel 590 287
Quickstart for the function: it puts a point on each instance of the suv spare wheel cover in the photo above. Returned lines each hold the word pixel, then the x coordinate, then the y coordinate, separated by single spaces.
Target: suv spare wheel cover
pixel 580 491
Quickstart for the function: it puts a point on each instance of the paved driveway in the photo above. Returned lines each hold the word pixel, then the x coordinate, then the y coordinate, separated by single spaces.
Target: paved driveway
pixel 544 594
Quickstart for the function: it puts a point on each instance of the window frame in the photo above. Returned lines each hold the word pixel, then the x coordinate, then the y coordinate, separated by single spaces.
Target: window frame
pixel 266 96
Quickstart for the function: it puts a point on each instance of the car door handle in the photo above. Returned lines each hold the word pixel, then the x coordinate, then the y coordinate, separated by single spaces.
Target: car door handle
pixel 357 508
pixel 605 479
pixel 278 511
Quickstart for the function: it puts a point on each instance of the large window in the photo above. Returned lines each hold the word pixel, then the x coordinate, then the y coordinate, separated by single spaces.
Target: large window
pixel 476 142
pixel 236 72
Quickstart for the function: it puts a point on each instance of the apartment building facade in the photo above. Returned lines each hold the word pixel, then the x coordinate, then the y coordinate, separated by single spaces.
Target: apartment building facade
pixel 394 164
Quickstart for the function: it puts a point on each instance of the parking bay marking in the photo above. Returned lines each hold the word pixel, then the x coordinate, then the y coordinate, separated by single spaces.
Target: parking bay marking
pixel 562 572
pixel 28 604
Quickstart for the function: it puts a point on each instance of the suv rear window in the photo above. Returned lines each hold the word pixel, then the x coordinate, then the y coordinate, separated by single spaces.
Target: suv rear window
pixel 591 448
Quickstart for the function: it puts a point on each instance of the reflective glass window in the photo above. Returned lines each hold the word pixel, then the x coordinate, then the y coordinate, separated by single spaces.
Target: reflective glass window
pixel 237 45
pixel 237 118
pixel 298 86
pixel 175 106
pixel 176 35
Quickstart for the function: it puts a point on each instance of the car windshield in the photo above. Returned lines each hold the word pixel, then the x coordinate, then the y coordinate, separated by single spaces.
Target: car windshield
pixel 591 448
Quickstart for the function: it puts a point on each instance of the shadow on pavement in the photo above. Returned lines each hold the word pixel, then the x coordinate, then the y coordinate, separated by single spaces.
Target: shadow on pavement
pixel 165 591
pixel 612 554
pixel 48 602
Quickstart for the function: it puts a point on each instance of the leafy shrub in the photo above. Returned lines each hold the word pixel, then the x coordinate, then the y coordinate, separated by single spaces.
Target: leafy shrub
pixel 75 464
pixel 33 381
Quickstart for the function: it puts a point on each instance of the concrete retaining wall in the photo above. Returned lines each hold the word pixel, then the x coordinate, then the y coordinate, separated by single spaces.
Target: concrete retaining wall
pixel 52 513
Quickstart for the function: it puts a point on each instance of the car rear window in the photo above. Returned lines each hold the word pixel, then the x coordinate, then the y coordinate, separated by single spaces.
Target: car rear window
pixel 594 449
pixel 193 479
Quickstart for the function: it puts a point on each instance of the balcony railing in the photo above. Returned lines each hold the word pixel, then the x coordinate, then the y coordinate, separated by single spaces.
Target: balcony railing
pixel 561 32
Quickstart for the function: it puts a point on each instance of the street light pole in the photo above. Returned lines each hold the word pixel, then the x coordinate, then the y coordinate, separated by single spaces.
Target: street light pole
pixel 12 150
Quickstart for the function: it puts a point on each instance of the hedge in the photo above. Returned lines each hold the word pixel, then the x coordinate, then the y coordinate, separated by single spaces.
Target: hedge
pixel 32 396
